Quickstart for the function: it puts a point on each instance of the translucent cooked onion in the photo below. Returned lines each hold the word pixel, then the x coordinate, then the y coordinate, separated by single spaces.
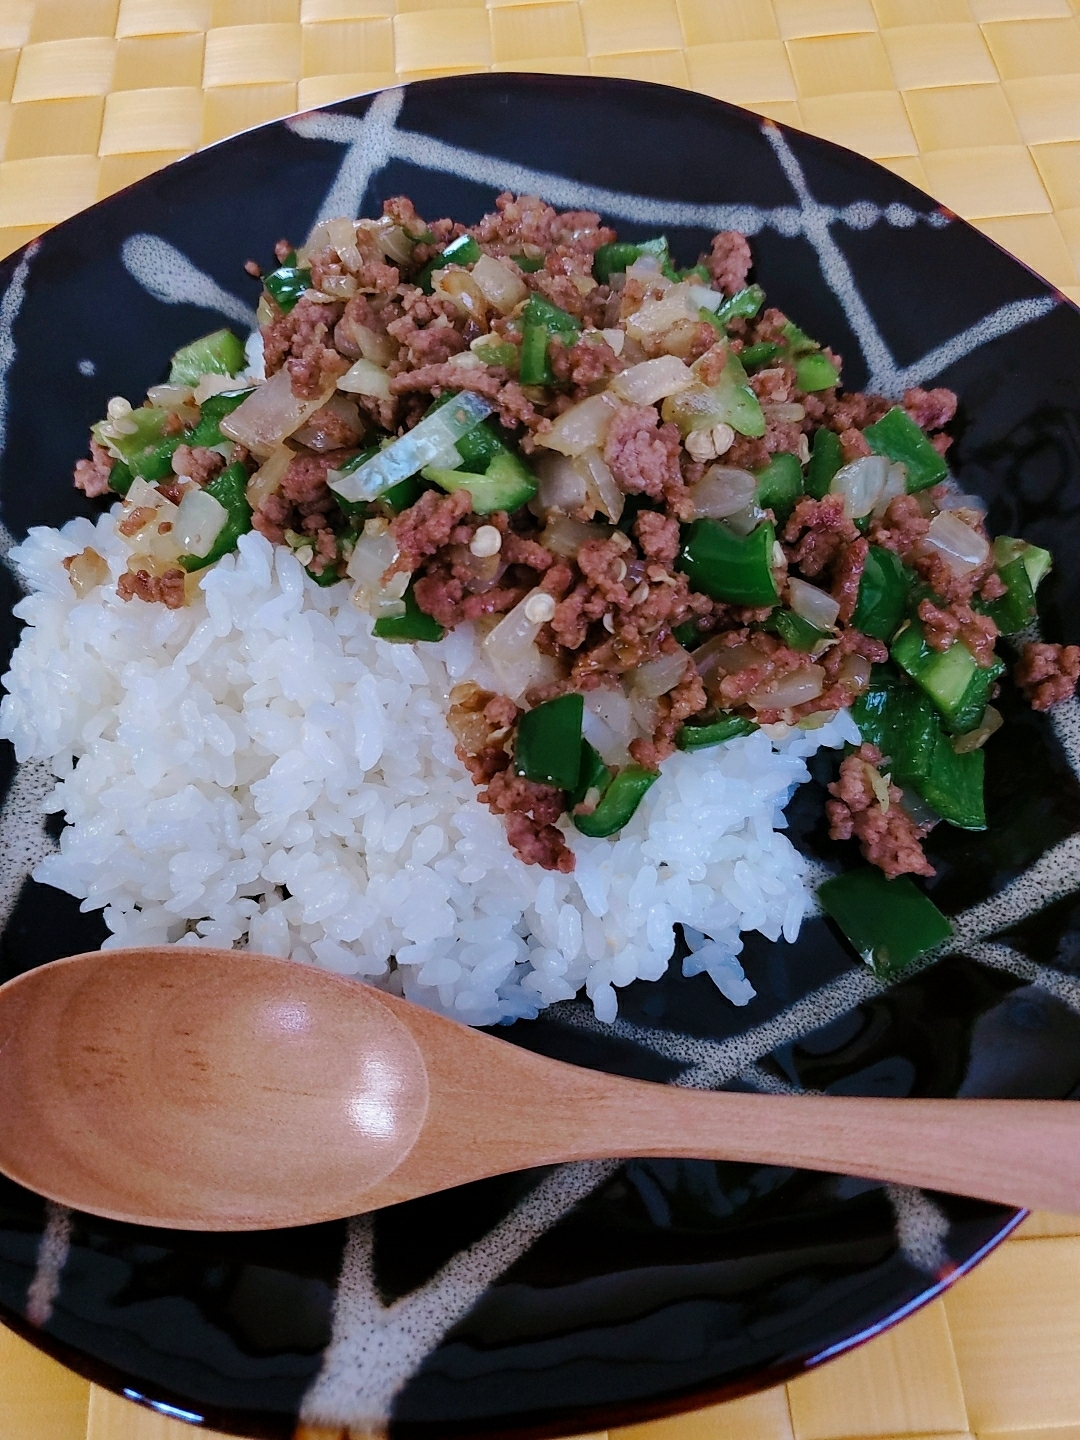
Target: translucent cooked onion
pixel 855 671
pixel 269 476
pixel 647 267
pixel 583 427
pixel 790 690
pixel 704 298
pixel 429 442
pixel 373 554
pixel 653 317
pixel 271 413
pixel 815 606
pixel 500 284
pixel 341 234
pixel 600 484
pixel 722 491
pixel 657 677
pixel 176 397
pixel 391 239
pixel 861 483
pixel 563 536
pixel 962 548
pixel 365 378
pixel 977 738
pixel 560 484
pixel 510 649
pixel 742 522
pixel 652 380
pixel 459 287
pixel 199 521
pixel 785 412
pixel 950 500
pixel 895 486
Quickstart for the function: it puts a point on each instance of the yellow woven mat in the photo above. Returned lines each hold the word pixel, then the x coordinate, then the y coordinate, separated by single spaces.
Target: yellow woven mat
pixel 977 101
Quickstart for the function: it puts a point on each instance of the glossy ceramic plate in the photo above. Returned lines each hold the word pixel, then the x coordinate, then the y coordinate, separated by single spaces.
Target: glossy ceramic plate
pixel 570 1300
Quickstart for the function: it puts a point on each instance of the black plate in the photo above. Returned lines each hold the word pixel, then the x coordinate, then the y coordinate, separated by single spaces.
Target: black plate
pixel 668 1283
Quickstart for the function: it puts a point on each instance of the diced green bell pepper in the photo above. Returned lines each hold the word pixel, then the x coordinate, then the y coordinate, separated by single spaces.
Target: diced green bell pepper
pixel 780 485
pixel 700 273
pixel 228 489
pixel 889 922
pixel 462 251
pixel 954 785
pixel 743 305
pixel 975 698
pixel 620 255
pixel 413 625
pixel 506 484
pixel 726 566
pixel 688 635
pixel 956 684
pixel 286 284
pixel 218 354
pixel 794 631
pixel 815 372
pixel 1037 562
pixel 619 802
pixel 528 264
pixel 900 720
pixel 897 437
pixel 147 451
pixel 1016 608
pixel 760 354
pixel 826 457
pixel 547 747
pixel 593 775
pixel 498 352
pixel 120 478
pixel 797 341
pixel 883 593
pixel 740 407
pixel 541 321
pixel 207 430
pixel 701 737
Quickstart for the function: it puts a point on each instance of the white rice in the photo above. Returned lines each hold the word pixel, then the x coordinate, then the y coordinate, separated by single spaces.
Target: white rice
pixel 258 770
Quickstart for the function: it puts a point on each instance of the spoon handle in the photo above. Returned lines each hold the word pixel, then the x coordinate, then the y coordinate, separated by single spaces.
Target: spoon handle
pixel 1018 1152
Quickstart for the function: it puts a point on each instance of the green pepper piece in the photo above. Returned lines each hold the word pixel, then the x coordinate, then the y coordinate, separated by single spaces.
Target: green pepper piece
pixel 798 342
pixel 533 367
pixel 755 355
pixel 688 635
pixel 883 593
pixel 780 485
pixel 207 430
pixel 700 737
pixel 594 775
pixel 621 254
pixel 815 372
pixel 975 698
pixel 740 407
pixel 826 457
pixel 897 437
pixel 619 802
pixel 479 446
pixel 953 680
pixel 700 273
pixel 1037 562
pixel 794 631
pixel 529 264
pixel 325 577
pixel 462 251
pixel 725 566
pixel 1016 608
pixel 147 451
pixel 228 489
pixel 902 723
pixel 506 484
pixel 286 285
pixel 415 624
pixel 498 353
pixel 556 321
pixel 218 354
pixel 402 495
pixel 954 786
pixel 547 747
pixel 743 305
pixel 120 478
pixel 889 922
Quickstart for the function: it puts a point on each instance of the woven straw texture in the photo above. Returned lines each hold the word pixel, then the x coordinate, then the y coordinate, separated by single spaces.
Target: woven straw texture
pixel 976 101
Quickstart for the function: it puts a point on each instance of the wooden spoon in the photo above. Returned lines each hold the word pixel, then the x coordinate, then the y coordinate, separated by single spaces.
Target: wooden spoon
pixel 218 1090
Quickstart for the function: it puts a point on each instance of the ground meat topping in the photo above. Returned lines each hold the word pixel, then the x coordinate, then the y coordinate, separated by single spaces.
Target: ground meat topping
pixel 92 476
pixel 1047 674
pixel 141 585
pixel 868 807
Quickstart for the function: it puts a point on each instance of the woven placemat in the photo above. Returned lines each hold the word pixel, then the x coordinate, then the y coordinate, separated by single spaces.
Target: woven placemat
pixel 976 101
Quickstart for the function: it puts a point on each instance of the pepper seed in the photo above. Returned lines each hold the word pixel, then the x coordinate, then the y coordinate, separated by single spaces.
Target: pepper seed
pixel 486 542
pixel 539 609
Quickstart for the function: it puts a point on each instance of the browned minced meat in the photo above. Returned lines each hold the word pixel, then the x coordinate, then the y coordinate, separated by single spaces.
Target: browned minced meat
pixel 197 463
pixel 930 408
pixel 658 536
pixel 816 532
pixel 728 261
pixel 959 622
pixel 530 810
pixel 583 364
pixel 1047 674
pixel 643 454
pixel 847 576
pixel 426 526
pixel 92 476
pixel 686 699
pixel 336 426
pixel 303 342
pixel 303 502
pixel 141 585
pixel 888 837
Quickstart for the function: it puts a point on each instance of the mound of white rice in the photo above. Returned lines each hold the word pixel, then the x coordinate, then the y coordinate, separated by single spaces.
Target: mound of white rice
pixel 258 770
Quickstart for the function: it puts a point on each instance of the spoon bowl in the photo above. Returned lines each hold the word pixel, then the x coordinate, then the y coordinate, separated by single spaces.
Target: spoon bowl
pixel 218 1090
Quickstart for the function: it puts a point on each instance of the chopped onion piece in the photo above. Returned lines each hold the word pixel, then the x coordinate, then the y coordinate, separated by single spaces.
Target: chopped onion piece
pixel 175 397
pixel 373 554
pixel 424 445
pixel 656 316
pixel 616 339
pixel 459 287
pixel 268 476
pixel 790 690
pixel 271 413
pixel 365 378
pixel 199 521
pixel 652 380
pixel 895 486
pixel 499 283
pixel 977 738
pixel 341 234
pixel 563 536
pixel 722 491
pixel 704 298
pixel 582 427
pixel 213 385
pixel 602 487
pixel 391 239
pixel 814 606
pixel 861 483
pixel 510 649
pixel 962 548
pixel 561 485
pixel 647 267
pixel 657 677
pixel 742 522
pixel 950 500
